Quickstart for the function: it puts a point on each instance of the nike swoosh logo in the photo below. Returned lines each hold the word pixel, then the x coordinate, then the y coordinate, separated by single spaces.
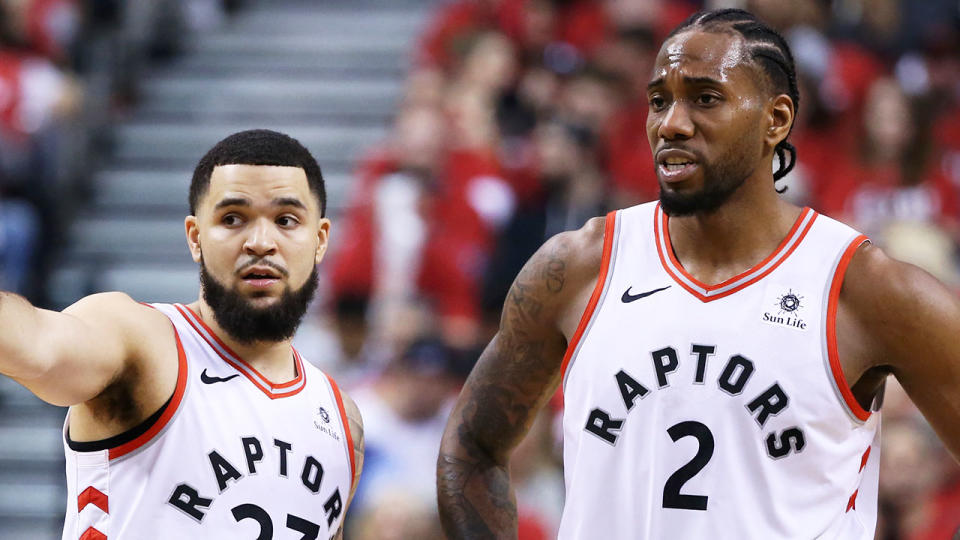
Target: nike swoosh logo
pixel 627 297
pixel 208 379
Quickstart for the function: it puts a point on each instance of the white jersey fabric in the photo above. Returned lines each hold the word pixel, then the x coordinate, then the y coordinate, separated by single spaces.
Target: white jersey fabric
pixel 230 456
pixel 696 411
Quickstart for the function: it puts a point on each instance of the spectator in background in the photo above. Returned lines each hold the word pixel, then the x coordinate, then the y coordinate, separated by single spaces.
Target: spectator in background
pixel 38 100
pixel 340 341
pixel 919 483
pixel 629 56
pixel 428 204
pixel 574 184
pixel 405 411
pixel 573 189
pixel 380 255
pixel 892 179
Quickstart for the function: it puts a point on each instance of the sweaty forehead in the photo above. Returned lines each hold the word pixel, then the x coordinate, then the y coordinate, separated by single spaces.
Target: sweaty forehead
pixel 696 53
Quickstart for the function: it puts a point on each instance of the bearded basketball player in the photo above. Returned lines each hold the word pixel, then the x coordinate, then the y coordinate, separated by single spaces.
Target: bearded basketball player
pixel 721 352
pixel 200 420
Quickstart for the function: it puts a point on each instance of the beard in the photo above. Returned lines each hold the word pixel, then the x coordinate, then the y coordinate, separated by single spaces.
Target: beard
pixel 248 324
pixel 720 182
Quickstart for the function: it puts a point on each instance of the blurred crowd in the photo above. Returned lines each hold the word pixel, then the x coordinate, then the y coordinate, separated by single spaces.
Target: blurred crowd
pixel 68 69
pixel 40 97
pixel 524 118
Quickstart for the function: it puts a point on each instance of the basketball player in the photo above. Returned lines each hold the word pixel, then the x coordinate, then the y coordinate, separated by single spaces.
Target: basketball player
pixel 201 420
pixel 721 352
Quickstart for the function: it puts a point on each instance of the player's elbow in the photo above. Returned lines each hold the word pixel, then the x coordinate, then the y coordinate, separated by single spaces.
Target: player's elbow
pixel 461 444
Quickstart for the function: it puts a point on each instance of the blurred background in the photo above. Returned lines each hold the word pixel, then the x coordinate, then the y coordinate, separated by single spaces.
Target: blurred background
pixel 455 137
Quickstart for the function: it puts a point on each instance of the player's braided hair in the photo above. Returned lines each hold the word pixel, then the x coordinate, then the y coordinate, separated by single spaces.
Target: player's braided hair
pixel 770 51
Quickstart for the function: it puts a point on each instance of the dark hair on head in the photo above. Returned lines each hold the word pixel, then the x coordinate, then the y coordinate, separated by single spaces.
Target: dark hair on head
pixel 770 52
pixel 257 147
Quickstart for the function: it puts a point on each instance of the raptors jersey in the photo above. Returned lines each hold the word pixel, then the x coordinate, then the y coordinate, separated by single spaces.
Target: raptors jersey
pixel 231 455
pixel 715 411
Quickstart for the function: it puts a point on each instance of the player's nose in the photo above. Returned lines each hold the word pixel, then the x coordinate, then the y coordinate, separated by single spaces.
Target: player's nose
pixel 260 238
pixel 676 123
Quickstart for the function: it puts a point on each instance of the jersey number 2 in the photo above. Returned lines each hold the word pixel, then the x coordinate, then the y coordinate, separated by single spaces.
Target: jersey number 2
pixel 672 498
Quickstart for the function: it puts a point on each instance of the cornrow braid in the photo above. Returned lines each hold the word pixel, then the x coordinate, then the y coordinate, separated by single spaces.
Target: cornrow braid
pixel 770 51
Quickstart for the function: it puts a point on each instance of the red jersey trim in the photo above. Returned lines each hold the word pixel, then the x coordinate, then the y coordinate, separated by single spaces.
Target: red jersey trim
pixel 93 496
pixel 739 282
pixel 832 304
pixel 863 460
pixel 272 390
pixel 346 430
pixel 609 231
pixel 168 413
pixel 92 534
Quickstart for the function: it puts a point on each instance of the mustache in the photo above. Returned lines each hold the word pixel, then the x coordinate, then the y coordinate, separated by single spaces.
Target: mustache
pixel 261 262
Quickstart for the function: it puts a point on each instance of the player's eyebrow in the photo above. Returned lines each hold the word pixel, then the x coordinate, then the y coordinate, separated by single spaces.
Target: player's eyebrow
pixel 232 201
pixel 288 201
pixel 279 201
pixel 693 81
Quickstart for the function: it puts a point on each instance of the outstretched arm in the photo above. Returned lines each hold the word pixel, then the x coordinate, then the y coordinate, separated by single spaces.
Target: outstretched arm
pixel 69 357
pixel 514 377
pixel 909 325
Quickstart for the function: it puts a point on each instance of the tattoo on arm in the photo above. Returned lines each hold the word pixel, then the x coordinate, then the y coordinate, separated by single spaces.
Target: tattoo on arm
pixel 513 379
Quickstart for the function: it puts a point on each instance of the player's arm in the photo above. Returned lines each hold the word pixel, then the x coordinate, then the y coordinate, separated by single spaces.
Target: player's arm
pixel 514 377
pixel 908 324
pixel 356 433
pixel 68 357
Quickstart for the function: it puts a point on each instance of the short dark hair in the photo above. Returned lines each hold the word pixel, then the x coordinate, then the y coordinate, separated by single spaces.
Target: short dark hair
pixel 257 147
pixel 769 51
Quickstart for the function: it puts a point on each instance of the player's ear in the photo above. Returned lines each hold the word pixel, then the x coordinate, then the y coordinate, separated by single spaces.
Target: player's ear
pixel 193 237
pixel 780 114
pixel 323 237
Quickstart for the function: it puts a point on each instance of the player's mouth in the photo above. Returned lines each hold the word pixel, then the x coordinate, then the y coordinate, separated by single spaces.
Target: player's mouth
pixel 674 165
pixel 260 277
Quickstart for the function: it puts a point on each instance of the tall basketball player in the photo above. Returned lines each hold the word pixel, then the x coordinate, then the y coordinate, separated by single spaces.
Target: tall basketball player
pixel 721 352
pixel 201 420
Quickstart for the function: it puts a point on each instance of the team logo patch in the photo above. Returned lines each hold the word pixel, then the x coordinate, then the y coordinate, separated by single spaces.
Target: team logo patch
pixel 787 311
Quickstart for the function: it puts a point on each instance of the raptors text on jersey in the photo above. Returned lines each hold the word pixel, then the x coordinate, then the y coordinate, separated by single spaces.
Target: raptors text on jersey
pixel 230 455
pixel 715 411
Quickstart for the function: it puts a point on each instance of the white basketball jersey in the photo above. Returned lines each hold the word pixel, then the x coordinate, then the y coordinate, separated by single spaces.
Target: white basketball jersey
pixel 715 411
pixel 230 456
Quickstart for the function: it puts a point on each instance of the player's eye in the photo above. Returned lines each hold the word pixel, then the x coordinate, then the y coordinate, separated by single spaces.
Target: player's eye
pixel 707 99
pixel 657 103
pixel 231 220
pixel 287 221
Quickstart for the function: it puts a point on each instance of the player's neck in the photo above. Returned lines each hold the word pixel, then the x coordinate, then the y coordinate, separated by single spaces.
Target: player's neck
pixel 744 231
pixel 273 359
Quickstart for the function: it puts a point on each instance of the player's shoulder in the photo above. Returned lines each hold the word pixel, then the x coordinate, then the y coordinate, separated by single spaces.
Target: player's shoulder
pixel 883 291
pixel 581 248
pixel 119 310
pixel 872 274
pixel 555 278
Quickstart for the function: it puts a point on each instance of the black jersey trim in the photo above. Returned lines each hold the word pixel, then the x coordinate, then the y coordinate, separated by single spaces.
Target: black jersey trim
pixel 117 440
